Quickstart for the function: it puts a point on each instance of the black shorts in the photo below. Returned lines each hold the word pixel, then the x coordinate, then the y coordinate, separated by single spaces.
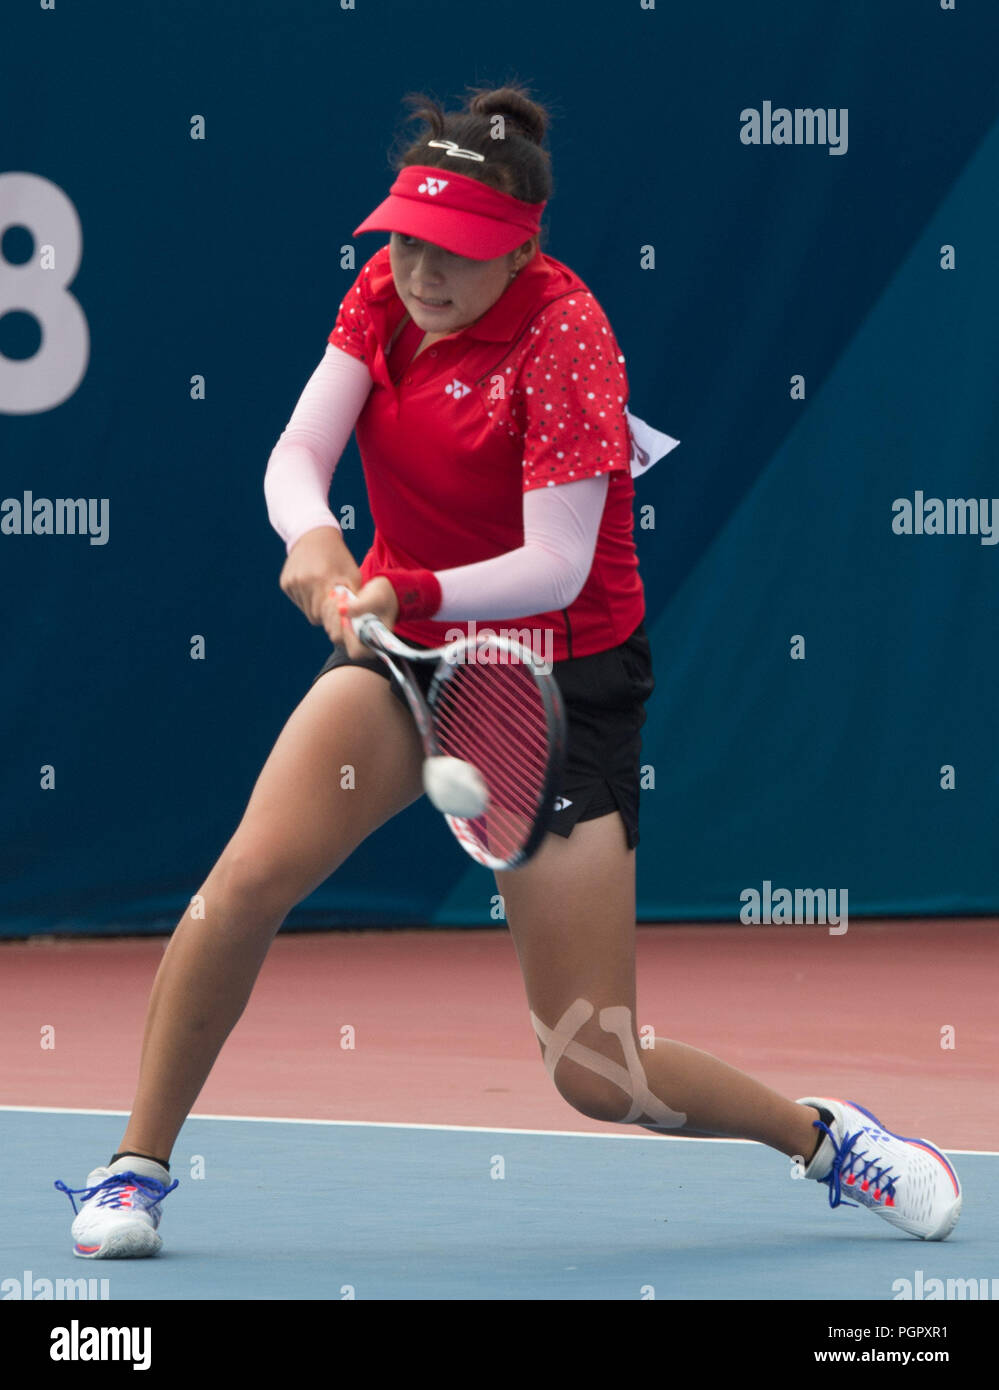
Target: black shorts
pixel 604 697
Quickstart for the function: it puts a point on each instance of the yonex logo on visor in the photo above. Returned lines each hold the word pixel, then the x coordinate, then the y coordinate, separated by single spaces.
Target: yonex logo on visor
pixel 461 214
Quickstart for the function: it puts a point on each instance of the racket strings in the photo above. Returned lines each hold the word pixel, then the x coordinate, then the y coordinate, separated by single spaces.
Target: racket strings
pixel 494 717
pixel 512 775
pixel 507 733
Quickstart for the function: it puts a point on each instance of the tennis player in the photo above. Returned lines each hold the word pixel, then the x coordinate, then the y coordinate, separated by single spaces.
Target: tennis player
pixel 488 395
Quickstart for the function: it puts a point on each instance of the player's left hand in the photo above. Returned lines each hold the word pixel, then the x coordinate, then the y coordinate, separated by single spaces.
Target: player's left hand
pixel 377 597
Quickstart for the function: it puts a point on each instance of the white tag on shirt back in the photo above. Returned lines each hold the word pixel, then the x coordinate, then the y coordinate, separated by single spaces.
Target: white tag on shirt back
pixel 648 445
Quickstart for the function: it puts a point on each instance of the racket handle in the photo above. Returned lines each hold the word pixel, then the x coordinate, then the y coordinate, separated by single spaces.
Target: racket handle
pixel 364 624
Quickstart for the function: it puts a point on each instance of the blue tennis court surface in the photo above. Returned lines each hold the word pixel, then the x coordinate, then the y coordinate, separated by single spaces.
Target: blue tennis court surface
pixel 301 1210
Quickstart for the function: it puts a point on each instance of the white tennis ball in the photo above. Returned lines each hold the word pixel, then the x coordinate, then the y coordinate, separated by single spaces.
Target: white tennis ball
pixel 455 787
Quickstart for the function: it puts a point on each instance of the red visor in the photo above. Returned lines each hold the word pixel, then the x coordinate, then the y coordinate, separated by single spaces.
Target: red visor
pixel 456 212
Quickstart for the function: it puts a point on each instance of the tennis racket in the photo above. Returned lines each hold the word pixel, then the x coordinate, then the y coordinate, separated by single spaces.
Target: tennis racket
pixel 492 708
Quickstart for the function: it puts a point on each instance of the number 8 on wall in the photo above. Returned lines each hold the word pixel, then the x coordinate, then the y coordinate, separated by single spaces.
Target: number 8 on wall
pixel 39 287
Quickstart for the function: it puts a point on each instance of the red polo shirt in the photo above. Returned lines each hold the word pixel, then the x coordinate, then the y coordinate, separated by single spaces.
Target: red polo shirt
pixel 532 394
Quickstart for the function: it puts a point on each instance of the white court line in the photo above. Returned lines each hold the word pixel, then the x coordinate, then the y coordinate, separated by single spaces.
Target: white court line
pixel 457 1129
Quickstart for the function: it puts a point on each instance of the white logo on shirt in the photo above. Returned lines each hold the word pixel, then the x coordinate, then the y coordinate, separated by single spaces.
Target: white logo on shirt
pixel 433 186
pixel 561 804
pixel 457 389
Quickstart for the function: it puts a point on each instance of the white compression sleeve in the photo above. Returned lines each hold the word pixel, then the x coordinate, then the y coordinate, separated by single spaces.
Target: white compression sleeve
pixel 300 468
pixel 547 572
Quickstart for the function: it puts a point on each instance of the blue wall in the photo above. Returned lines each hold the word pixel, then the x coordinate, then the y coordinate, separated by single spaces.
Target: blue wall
pixel 221 257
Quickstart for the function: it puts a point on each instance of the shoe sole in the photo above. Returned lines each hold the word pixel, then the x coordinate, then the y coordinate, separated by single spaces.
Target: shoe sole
pixel 125 1244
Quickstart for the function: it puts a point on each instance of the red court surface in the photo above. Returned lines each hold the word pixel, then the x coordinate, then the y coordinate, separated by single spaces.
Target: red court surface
pixel 442 1033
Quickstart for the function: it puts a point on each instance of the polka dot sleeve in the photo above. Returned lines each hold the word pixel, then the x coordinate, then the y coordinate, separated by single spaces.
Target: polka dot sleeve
pixel 350 332
pixel 572 391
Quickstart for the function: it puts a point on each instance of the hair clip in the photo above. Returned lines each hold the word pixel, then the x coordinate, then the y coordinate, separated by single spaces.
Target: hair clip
pixel 453 150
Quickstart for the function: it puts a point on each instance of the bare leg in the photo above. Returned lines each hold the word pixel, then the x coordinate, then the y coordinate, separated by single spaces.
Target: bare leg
pixel 571 913
pixel 299 826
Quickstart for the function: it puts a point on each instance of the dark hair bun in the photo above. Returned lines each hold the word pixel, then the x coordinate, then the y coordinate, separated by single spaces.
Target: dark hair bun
pixel 515 106
pixel 516 163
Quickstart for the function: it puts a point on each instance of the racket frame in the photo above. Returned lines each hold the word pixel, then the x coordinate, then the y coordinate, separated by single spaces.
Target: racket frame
pixel 377 637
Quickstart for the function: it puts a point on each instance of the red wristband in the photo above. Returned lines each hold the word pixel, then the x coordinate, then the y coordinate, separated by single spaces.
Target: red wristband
pixel 418 591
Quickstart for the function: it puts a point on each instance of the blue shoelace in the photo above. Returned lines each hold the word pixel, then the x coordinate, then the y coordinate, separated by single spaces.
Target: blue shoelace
pixel 112 1189
pixel 844 1157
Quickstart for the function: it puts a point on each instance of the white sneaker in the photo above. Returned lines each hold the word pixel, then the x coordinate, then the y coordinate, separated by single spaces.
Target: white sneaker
pixel 120 1212
pixel 907 1181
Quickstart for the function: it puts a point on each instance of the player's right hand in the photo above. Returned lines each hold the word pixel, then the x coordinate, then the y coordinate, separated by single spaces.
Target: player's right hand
pixel 318 561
